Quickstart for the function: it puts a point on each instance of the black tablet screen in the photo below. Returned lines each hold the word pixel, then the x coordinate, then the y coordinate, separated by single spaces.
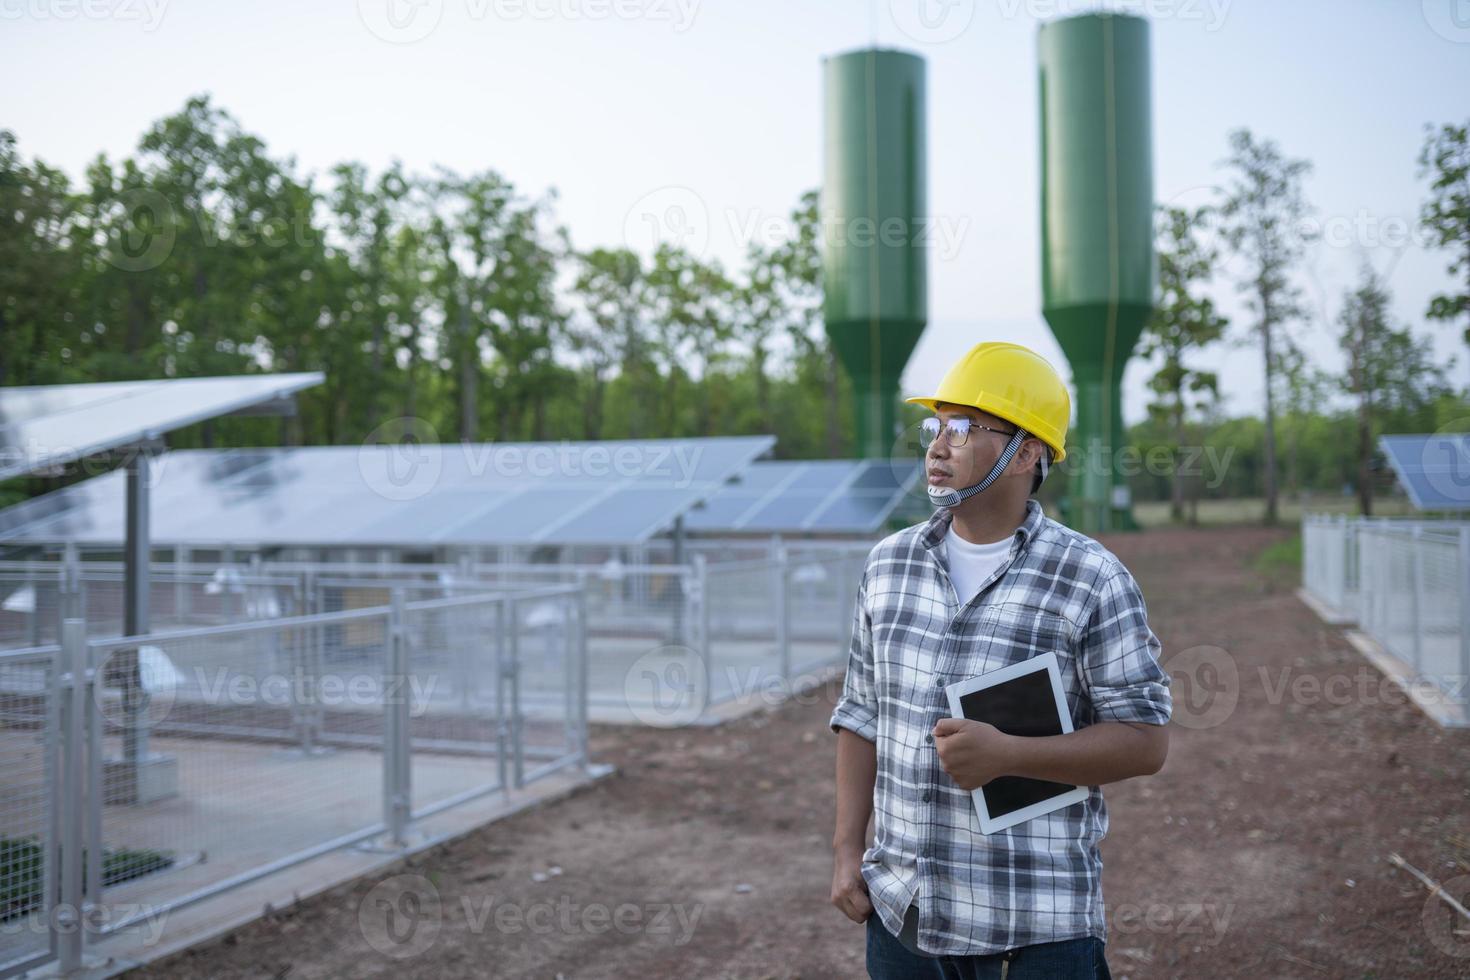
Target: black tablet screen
pixel 1022 706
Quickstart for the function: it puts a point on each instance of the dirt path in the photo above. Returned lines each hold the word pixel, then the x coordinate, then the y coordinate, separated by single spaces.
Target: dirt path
pixel 1259 851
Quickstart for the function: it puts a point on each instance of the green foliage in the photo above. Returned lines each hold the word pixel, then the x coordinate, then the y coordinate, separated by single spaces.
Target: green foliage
pixel 22 861
pixel 1445 160
pixel 453 299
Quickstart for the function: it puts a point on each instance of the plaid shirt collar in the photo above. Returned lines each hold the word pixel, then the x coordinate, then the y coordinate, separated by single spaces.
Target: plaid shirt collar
pixel 938 526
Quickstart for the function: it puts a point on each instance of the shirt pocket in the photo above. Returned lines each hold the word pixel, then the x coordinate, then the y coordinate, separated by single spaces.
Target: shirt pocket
pixel 1006 633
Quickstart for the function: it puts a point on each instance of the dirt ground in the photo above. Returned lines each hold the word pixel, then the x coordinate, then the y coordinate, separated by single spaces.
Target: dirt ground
pixel 1259 851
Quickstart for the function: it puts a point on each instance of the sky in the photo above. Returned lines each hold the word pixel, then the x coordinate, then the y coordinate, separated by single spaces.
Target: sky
pixel 710 111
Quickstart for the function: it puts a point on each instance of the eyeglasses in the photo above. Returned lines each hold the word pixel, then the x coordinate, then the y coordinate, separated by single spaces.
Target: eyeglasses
pixel 957 430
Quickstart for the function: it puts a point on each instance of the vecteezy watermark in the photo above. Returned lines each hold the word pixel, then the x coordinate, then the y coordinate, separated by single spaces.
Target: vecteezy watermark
pixel 1443 924
pixel 1206 686
pixel 932 21
pixel 1210 14
pixel 1204 922
pixel 1365 686
pixel 1450 19
pixel 680 218
pixel 1445 460
pixel 565 916
pixel 402 917
pixel 666 687
pixel 105 918
pixel 146 231
pixel 148 13
pixel 670 686
pixel 403 459
pixel 81 458
pixel 408 21
pixel 1209 464
pixel 143 226
pixel 139 686
pixel 676 217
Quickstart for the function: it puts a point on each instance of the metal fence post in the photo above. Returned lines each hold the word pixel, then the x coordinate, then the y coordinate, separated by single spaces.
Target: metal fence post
pixel 397 796
pixel 582 672
pixel 1416 611
pixel 1464 580
pixel 66 922
pixel 513 670
pixel 783 610
pixel 706 641
pixel 502 725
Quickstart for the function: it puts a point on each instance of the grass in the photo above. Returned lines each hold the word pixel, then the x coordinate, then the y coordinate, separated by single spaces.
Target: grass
pixel 21 861
pixel 1280 563
pixel 1250 510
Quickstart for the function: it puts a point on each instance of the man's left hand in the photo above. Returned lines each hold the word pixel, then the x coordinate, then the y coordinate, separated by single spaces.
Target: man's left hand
pixel 972 752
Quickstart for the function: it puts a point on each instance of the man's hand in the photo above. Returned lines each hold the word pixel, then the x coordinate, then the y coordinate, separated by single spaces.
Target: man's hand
pixel 849 889
pixel 972 752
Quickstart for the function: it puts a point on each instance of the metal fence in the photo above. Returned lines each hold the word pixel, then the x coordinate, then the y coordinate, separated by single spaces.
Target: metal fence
pixel 31 597
pixel 1405 583
pixel 144 774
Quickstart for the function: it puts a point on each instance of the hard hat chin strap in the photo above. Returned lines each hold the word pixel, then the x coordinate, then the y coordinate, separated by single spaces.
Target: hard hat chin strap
pixel 946 497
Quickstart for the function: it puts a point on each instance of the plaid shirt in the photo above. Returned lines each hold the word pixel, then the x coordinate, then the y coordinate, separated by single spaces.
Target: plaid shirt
pixel 1039 881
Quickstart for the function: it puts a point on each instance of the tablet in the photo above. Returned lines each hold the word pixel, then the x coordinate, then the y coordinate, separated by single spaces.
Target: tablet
pixel 1021 699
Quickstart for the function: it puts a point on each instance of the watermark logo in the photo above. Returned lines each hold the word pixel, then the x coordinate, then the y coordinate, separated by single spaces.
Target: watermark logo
pixel 670 216
pixel 135 687
pixel 1445 461
pixel 145 236
pixel 932 21
pixel 400 21
pixel 667 687
pixel 1445 926
pixel 400 916
pixel 1450 19
pixel 1206 686
pixel 401 460
pixel 149 13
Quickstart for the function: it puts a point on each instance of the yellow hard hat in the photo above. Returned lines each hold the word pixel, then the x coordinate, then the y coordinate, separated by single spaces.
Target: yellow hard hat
pixel 1013 383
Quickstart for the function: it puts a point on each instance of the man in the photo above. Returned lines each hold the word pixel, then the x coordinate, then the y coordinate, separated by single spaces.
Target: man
pixel 987 581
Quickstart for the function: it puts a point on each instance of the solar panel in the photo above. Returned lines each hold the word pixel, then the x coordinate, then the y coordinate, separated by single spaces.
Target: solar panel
pixel 839 496
pixel 401 495
pixel 47 426
pixel 1434 469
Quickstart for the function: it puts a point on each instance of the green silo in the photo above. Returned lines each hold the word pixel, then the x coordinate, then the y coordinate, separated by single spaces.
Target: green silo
pixel 874 208
pixel 1098 270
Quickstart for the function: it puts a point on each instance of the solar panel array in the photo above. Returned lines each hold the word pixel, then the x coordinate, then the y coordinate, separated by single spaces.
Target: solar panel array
pixel 1434 469
pixel 47 426
pixel 612 492
pixel 853 496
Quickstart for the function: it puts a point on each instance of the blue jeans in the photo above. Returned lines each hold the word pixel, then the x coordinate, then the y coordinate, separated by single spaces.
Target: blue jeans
pixel 1069 959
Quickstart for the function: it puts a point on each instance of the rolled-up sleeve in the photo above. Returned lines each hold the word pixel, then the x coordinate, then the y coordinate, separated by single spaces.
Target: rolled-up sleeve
pixel 1120 656
pixel 857 709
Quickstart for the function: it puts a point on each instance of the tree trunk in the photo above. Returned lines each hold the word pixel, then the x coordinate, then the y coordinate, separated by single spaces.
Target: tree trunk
pixel 1270 435
pixel 469 373
pixel 834 432
pixel 1176 503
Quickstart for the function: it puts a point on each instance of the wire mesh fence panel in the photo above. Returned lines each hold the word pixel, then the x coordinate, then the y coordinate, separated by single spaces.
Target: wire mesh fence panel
pixel 223 751
pixel 459 735
pixel 28 763
pixel 30 599
pixel 1441 577
pixel 1410 590
pixel 746 622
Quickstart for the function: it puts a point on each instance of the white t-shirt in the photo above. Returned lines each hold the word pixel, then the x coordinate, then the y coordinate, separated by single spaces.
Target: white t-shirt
pixel 970 565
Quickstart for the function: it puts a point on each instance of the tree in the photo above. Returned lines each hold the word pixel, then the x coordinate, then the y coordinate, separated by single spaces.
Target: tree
pixel 609 333
pixel 1388 369
pixel 1445 159
pixel 1183 322
pixel 1263 214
